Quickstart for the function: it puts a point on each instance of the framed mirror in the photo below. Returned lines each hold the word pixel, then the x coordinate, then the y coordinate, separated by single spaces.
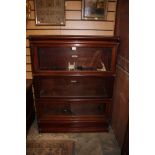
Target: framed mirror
pixel 94 9
pixel 50 12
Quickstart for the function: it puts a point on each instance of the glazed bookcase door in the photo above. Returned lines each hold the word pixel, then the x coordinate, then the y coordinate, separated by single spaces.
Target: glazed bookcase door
pixel 74 59
pixel 73 87
pixel 59 58
pixel 74 108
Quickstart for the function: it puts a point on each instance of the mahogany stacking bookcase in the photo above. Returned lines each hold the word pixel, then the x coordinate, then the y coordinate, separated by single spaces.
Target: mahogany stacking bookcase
pixel 73 78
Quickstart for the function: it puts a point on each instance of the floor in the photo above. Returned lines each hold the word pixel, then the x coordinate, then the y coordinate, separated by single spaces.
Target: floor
pixel 103 143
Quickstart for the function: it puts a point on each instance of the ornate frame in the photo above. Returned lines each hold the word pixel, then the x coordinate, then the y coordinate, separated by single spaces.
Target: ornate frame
pixel 50 12
pixel 94 9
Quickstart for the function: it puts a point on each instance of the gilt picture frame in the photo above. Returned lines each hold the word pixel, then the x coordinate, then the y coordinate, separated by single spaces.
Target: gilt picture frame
pixel 50 12
pixel 94 9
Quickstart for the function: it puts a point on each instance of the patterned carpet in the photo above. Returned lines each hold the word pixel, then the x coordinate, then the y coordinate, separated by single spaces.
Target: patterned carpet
pixel 102 143
pixel 49 147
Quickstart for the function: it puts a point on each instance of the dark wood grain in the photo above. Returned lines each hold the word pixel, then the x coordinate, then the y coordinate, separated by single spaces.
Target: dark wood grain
pixel 120 110
pixel 53 53
pixel 125 147
pixel 74 87
pixel 30 112
pixel 122 27
pixel 78 100
pixel 72 38
pixel 48 108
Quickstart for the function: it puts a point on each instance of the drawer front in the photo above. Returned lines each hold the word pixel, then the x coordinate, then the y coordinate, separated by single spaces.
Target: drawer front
pixel 74 87
pixel 47 109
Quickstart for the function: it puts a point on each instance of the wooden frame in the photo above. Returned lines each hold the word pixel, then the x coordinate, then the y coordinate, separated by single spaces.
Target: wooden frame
pixel 94 9
pixel 72 101
pixel 50 12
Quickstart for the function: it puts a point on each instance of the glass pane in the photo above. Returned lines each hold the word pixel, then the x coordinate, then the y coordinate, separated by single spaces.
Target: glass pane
pixel 75 58
pixel 74 108
pixel 73 87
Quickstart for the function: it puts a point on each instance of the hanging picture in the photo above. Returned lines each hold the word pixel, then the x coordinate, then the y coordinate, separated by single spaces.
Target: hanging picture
pixel 50 12
pixel 94 9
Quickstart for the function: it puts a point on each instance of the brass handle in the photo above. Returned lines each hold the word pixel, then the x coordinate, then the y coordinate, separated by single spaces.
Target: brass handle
pixel 74 56
pixel 67 111
pixel 73 81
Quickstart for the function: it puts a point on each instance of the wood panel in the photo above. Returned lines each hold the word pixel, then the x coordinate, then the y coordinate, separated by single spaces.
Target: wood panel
pixel 86 32
pixel 28 59
pixel 125 147
pixel 43 32
pixel 30 111
pixel 27 43
pixel 111 16
pixel 32 25
pixel 89 25
pixel 28 67
pixel 120 113
pixel 120 110
pixel 123 29
pixel 84 25
pixel 32 5
pixel 27 51
pixel 112 6
pixel 69 32
pixel 28 62
pixel 73 5
pixel 123 62
pixel 74 15
pixel 32 15
pixel 28 75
